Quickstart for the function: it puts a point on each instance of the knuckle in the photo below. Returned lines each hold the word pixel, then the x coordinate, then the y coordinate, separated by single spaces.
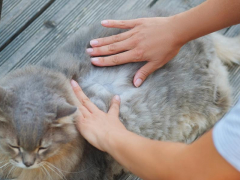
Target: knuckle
pixel 111 47
pixel 101 60
pixel 85 101
pixel 116 104
pixel 102 41
pixel 138 54
pixel 144 73
pixel 96 51
pixel 122 23
pixel 115 59
pixel 77 90
pixel 137 40
pixel 116 38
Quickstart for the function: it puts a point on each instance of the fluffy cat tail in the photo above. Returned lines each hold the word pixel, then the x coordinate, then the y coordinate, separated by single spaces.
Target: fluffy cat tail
pixel 227 49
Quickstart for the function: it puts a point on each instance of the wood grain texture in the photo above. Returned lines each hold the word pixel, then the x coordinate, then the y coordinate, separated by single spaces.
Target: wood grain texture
pixel 17 18
pixel 234 71
pixel 39 40
pixel 1 2
pixel 7 6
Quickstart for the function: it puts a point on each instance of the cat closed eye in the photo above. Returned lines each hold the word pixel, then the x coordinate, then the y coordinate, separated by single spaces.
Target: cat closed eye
pixel 14 147
pixel 42 149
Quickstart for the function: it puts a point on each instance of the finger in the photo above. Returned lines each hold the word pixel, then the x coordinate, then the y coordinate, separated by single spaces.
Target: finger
pixel 83 98
pixel 111 39
pixel 143 73
pixel 84 112
pixel 115 105
pixel 80 114
pixel 134 55
pixel 122 24
pixel 112 48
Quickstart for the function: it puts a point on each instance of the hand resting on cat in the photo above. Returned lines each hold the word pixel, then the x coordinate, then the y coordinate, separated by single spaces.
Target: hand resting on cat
pixel 147 158
pixel 157 40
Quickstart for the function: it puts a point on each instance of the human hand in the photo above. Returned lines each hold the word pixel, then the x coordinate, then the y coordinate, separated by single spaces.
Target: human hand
pixel 149 39
pixel 95 125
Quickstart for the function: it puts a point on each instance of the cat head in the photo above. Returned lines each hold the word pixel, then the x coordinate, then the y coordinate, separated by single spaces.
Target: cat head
pixel 37 115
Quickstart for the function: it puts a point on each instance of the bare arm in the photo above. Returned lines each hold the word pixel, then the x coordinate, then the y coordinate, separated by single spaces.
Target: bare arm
pixel 158 40
pixel 147 158
pixel 165 160
pixel 210 16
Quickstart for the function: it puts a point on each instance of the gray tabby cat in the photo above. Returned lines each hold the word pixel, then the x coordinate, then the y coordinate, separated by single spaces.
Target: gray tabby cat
pixel 38 109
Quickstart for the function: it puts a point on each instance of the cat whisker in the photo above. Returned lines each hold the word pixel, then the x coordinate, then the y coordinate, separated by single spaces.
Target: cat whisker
pixel 4 165
pixel 3 162
pixel 58 173
pixel 43 170
pixel 10 171
pixel 59 170
pixel 67 171
pixel 46 172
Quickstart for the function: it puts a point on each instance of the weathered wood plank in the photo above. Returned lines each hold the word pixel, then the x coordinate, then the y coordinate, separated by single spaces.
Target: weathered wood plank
pixel 234 71
pixel 233 31
pixel 20 46
pixel 17 18
pixel 1 2
pixel 8 6
pixel 45 40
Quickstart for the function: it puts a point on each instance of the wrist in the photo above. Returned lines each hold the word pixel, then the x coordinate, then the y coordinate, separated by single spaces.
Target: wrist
pixel 176 34
pixel 181 35
pixel 113 140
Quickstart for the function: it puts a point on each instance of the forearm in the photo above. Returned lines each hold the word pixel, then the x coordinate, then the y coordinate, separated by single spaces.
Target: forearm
pixel 146 158
pixel 210 16
pixel 152 160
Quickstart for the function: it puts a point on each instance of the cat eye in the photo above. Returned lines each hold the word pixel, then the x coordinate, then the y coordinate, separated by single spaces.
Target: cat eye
pixel 14 147
pixel 42 149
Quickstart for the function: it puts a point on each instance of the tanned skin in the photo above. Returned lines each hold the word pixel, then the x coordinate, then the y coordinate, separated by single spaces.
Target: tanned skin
pixel 146 35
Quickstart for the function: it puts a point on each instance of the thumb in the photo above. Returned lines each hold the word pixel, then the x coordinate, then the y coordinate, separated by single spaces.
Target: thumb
pixel 115 105
pixel 143 73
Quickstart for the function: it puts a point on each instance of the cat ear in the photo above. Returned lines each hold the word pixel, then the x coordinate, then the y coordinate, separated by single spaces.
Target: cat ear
pixel 64 110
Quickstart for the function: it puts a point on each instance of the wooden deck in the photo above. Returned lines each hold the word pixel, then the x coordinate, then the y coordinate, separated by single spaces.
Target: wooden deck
pixel 32 29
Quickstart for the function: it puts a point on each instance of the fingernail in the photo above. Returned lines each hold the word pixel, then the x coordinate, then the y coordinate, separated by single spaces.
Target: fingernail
pixel 117 97
pixel 94 59
pixel 93 42
pixel 105 22
pixel 74 83
pixel 138 82
pixel 89 50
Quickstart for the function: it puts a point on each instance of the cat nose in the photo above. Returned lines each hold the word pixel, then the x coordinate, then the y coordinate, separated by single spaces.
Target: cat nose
pixel 28 158
pixel 28 164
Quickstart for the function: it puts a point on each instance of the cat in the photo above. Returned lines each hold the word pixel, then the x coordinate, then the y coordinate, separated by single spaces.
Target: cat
pixel 38 109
